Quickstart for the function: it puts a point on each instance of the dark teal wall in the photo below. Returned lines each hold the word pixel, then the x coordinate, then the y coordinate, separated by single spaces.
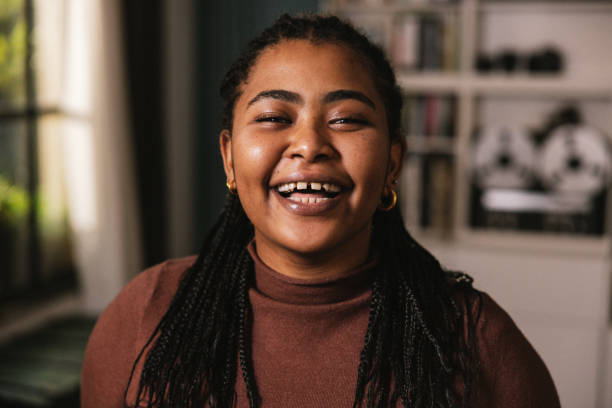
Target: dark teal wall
pixel 223 28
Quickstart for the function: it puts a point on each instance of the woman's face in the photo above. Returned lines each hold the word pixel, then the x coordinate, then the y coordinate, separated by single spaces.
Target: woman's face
pixel 309 153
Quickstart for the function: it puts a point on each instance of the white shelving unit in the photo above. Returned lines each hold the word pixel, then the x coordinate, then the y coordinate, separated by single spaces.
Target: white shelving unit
pixel 496 84
pixel 469 86
pixel 557 287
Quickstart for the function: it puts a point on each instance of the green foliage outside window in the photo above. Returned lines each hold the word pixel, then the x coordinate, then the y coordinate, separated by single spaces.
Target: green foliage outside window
pixel 14 209
pixel 13 32
pixel 14 202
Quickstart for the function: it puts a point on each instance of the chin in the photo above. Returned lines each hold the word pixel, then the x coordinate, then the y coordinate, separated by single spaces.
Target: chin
pixel 311 248
pixel 313 242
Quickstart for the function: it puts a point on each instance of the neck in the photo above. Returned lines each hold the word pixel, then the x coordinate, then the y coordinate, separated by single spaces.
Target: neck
pixel 333 263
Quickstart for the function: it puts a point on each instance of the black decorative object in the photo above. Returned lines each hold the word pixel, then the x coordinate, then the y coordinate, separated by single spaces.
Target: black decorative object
pixel 484 63
pixel 507 61
pixel 548 60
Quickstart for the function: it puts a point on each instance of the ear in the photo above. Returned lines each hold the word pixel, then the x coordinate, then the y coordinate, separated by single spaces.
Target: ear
pixel 396 161
pixel 225 145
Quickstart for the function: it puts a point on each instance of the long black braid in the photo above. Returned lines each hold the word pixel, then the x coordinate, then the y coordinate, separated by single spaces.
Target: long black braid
pixel 419 346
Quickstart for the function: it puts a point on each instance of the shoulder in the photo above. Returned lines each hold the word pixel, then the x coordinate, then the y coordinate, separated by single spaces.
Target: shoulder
pixel 512 374
pixel 123 329
pixel 154 287
pixel 493 324
pixel 144 298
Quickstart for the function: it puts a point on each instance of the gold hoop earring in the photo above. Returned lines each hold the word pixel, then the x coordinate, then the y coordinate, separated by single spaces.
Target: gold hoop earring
pixel 389 206
pixel 229 188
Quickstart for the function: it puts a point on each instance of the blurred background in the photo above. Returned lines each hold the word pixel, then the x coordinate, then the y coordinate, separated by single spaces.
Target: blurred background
pixel 109 116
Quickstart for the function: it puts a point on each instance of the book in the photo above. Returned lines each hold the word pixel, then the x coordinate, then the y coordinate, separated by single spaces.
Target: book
pixel 439 196
pixel 429 115
pixel 431 40
pixel 405 42
pixel 410 195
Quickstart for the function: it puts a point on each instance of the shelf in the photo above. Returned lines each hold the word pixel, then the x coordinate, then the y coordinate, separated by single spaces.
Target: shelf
pixel 537 242
pixel 500 6
pixel 430 145
pixel 538 86
pixel 541 242
pixel 405 7
pixel 504 85
pixel 430 82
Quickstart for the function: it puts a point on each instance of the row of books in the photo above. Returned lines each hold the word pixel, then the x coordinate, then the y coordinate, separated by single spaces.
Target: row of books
pixel 425 42
pixel 415 41
pixel 427 191
pixel 429 115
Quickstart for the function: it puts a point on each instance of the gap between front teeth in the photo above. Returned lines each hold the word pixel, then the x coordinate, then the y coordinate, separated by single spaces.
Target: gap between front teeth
pixel 303 185
pixel 308 200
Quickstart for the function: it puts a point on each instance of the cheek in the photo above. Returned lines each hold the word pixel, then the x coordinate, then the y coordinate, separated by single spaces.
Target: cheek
pixel 251 154
pixel 254 161
pixel 368 164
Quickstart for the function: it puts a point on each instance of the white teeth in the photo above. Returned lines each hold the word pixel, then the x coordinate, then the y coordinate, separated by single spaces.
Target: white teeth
pixel 331 188
pixel 308 200
pixel 303 185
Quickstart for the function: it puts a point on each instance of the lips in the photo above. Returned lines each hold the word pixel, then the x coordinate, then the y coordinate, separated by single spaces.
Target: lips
pixel 312 196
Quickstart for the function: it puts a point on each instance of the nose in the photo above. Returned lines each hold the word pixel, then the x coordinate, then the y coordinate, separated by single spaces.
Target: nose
pixel 311 143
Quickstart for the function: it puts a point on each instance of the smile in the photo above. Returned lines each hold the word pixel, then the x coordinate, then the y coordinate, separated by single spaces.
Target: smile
pixel 309 197
pixel 309 192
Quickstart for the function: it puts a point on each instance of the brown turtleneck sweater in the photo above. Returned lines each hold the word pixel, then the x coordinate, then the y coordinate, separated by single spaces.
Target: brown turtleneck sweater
pixel 306 341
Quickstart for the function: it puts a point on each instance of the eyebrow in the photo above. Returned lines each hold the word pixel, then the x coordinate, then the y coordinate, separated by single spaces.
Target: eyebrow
pixel 293 97
pixel 348 94
pixel 277 94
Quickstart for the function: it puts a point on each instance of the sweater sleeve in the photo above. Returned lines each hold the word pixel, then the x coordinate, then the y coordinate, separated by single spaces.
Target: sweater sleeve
pixel 512 374
pixel 121 332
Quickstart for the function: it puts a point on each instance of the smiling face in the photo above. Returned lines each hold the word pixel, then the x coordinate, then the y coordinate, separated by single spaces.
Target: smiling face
pixel 309 154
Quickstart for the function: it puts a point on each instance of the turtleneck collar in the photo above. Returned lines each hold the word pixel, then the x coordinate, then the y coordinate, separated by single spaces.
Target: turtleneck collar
pixel 296 291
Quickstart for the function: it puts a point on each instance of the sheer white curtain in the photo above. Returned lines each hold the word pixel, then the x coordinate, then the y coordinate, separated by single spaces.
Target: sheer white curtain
pixel 96 146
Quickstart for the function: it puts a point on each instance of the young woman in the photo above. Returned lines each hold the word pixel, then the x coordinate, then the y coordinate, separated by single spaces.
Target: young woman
pixel 309 292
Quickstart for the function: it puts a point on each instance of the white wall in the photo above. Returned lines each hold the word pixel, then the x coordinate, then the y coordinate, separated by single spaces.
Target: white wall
pixel 559 299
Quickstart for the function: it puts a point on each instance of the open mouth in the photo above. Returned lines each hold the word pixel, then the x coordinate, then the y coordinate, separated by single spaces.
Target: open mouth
pixel 309 192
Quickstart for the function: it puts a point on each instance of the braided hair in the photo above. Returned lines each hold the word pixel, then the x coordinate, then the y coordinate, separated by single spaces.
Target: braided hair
pixel 419 346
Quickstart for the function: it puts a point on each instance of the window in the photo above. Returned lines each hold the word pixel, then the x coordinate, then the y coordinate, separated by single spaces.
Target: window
pixel 35 236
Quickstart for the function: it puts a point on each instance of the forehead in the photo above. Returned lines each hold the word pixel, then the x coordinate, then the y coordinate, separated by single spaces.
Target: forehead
pixel 306 67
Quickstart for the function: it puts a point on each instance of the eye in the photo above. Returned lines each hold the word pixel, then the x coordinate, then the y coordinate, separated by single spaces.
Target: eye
pixel 273 119
pixel 348 123
pixel 348 120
